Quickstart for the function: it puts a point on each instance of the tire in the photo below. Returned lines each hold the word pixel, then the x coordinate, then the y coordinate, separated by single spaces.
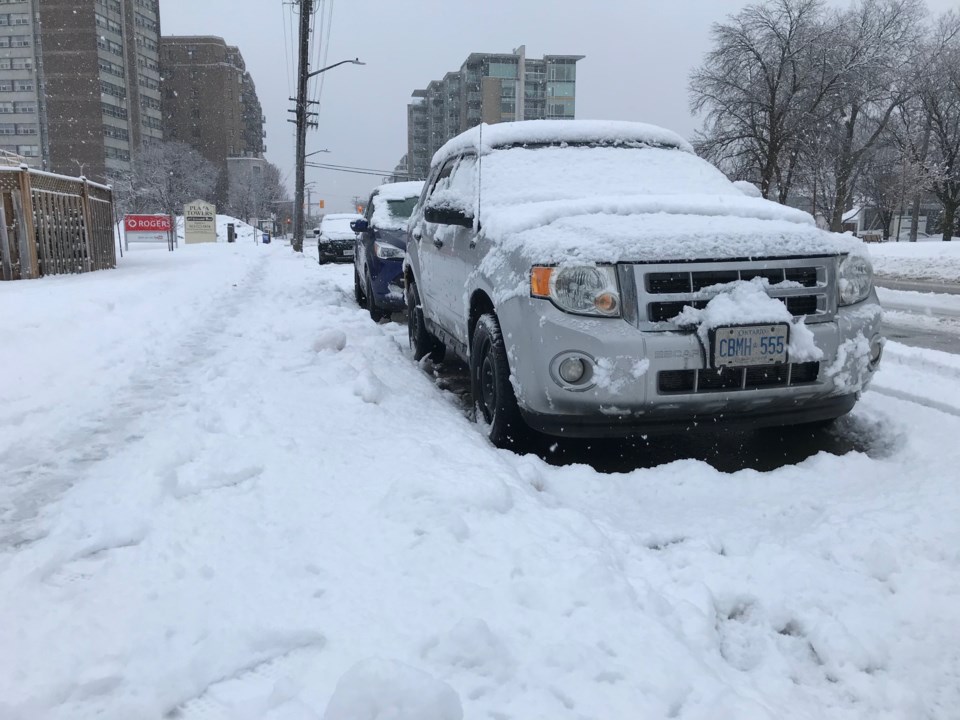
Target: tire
pixel 376 314
pixel 357 290
pixel 422 342
pixel 493 394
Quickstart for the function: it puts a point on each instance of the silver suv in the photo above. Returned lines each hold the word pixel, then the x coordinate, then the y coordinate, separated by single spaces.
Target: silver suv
pixel 600 279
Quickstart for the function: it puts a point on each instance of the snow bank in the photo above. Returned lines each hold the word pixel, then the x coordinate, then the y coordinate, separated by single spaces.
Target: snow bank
pixel 383 690
pixel 202 517
pixel 244 233
pixel 922 260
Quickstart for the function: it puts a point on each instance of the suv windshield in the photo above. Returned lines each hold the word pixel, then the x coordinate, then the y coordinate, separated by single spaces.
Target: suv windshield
pixel 518 175
pixel 393 214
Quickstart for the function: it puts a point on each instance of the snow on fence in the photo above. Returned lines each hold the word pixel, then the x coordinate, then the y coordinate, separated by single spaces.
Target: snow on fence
pixel 53 224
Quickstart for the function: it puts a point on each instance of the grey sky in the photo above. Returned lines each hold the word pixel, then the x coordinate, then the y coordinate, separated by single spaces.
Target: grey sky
pixel 638 56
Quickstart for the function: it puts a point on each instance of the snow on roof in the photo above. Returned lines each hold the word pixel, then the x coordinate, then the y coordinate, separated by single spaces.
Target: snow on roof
pixel 851 215
pixel 341 216
pixel 536 132
pixel 400 190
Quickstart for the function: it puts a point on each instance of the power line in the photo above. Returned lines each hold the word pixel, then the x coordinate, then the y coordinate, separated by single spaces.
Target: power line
pixel 357 170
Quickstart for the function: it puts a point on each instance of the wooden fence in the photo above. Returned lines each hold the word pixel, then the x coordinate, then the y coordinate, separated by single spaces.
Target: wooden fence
pixel 53 225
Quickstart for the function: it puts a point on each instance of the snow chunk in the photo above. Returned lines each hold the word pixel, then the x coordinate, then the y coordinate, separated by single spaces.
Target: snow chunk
pixel 473 646
pixel 378 689
pixel 744 302
pixel 335 340
pixel 748 188
pixel 369 388
pixel 849 370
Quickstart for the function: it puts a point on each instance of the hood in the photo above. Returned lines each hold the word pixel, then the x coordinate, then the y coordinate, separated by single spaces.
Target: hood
pixel 658 229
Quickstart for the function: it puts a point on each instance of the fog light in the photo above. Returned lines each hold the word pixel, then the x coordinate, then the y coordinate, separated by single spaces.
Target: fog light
pixel 572 370
pixel 876 351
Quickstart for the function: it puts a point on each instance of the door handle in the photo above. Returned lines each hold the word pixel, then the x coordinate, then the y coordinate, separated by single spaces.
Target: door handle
pixel 418 236
pixel 438 243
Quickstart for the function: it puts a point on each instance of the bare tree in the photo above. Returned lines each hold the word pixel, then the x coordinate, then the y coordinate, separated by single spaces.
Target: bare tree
pixel 164 177
pixel 940 96
pixel 763 89
pixel 888 181
pixel 873 54
pixel 257 192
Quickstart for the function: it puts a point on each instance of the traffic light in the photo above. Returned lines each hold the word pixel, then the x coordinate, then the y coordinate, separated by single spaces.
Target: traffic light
pixel 321 204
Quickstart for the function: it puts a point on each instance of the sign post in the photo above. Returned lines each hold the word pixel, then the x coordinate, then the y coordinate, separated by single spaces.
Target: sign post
pixel 199 222
pixel 147 229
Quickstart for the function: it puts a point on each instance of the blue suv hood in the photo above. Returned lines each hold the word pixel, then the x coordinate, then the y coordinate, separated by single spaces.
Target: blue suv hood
pixel 394 237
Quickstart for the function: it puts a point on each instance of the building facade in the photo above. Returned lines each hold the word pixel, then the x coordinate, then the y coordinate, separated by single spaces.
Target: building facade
pixel 490 88
pixel 79 83
pixel 210 102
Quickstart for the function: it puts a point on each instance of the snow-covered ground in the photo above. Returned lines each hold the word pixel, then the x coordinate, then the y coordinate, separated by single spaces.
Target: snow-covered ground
pixel 920 260
pixel 226 493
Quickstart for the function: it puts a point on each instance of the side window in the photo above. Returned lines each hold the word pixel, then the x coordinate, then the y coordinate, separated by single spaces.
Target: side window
pixel 463 182
pixel 443 177
pixel 368 213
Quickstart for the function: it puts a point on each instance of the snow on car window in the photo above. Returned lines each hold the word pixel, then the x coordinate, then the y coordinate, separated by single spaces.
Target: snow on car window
pixel 393 214
pixel 338 225
pixel 518 175
pixel 459 193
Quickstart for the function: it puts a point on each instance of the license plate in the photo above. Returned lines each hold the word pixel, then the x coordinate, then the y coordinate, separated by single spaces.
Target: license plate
pixel 349 252
pixel 743 345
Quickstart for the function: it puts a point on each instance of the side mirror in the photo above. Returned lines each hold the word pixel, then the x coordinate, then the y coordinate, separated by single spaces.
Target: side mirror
pixel 360 225
pixel 447 216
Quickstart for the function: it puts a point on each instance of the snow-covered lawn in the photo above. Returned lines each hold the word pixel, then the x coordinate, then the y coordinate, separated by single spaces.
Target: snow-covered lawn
pixel 920 260
pixel 226 493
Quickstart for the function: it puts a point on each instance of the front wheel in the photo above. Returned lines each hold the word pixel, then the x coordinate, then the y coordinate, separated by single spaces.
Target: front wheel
pixel 493 394
pixel 422 342
pixel 357 290
pixel 376 314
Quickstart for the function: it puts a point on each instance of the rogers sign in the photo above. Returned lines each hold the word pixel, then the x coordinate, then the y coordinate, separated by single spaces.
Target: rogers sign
pixel 147 223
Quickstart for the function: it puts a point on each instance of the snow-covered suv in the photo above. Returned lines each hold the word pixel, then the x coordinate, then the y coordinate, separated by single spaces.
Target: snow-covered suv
pixel 601 279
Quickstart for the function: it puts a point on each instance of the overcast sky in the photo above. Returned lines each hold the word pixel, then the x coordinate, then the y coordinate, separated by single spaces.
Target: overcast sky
pixel 638 56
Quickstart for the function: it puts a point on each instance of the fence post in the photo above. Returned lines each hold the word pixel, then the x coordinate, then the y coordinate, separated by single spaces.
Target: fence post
pixel 23 209
pixel 87 220
pixel 5 243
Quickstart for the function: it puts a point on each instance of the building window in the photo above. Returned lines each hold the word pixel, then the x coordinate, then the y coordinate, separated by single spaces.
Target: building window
pixel 503 70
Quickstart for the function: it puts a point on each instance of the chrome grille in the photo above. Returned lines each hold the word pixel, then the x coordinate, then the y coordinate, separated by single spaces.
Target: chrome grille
pixel 805 285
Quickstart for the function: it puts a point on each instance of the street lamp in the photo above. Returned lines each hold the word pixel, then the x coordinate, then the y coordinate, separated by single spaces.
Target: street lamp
pixel 302 144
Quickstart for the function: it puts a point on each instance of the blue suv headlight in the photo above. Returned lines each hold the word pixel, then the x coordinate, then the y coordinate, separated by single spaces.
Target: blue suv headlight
pixel 385 251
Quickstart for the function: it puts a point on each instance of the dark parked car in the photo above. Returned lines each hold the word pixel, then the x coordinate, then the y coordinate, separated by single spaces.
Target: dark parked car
pixel 381 247
pixel 335 239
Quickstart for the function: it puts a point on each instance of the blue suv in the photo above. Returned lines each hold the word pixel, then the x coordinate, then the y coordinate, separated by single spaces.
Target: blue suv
pixel 381 247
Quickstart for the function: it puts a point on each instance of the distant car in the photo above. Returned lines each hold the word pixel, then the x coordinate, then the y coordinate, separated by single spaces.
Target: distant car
pixel 382 246
pixel 335 239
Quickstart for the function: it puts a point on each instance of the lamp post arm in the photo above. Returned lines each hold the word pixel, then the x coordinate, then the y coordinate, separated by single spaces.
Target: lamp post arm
pixel 355 61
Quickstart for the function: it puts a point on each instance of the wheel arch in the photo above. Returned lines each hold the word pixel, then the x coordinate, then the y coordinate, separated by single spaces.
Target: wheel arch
pixel 480 304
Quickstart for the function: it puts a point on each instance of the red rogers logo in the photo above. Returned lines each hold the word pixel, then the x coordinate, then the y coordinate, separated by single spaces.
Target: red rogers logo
pixel 147 222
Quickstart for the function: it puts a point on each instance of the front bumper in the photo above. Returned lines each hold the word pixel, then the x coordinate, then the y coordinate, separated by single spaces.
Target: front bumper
pixel 387 278
pixel 625 395
pixel 336 250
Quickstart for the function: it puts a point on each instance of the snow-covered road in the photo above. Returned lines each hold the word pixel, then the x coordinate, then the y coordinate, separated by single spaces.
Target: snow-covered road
pixel 226 493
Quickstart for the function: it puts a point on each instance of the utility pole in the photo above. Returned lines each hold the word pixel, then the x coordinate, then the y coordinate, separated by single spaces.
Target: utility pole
pixel 303 73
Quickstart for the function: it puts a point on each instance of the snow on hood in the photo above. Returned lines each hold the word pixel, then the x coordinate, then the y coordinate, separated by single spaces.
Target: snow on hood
pixel 538 132
pixel 611 204
pixel 648 232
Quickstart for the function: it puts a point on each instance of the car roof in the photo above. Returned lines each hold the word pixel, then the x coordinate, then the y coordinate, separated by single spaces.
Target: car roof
pixel 399 190
pixel 555 132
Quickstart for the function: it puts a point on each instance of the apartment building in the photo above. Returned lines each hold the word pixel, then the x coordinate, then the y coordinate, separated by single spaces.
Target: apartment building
pixel 210 103
pixel 79 83
pixel 490 88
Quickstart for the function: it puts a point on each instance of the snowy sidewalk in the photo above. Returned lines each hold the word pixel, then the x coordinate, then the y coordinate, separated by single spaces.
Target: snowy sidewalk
pixel 226 493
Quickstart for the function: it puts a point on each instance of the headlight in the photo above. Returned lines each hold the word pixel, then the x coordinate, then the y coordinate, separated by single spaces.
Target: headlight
pixel 855 279
pixel 387 252
pixel 583 290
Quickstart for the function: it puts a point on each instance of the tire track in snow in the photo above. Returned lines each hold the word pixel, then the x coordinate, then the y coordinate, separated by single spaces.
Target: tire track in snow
pixel 36 476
